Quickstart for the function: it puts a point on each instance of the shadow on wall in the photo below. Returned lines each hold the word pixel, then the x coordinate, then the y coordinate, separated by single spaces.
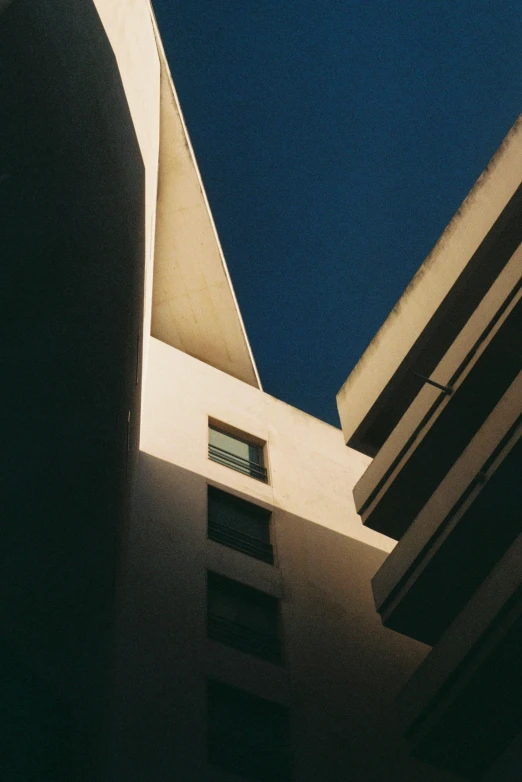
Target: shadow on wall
pixel 345 667
pixel 72 199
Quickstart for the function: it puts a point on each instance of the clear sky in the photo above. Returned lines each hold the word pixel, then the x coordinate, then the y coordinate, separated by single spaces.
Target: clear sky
pixel 335 141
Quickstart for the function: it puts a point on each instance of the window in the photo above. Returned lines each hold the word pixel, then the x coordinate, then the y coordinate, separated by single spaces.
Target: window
pixel 247 735
pixel 243 617
pixel 236 452
pixel 239 524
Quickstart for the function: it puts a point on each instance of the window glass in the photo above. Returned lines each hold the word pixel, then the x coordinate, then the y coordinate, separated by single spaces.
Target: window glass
pixel 230 444
pixel 242 604
pixel 239 524
pixel 238 514
pixel 243 617
pixel 237 453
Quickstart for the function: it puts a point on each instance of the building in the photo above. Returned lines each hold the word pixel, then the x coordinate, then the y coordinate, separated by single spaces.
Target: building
pixel 206 527
pixel 437 401
pixel 186 583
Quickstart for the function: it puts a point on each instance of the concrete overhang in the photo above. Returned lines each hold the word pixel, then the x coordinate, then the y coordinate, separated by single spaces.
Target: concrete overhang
pixel 463 530
pixel 194 308
pixel 435 306
pixel 476 370
pixel 461 709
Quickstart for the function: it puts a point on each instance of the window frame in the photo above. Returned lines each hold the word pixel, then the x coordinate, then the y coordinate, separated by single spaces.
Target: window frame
pixel 237 635
pixel 257 471
pixel 232 536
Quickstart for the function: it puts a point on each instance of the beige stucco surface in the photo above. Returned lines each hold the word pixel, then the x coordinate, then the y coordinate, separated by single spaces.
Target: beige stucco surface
pixel 432 282
pixel 311 472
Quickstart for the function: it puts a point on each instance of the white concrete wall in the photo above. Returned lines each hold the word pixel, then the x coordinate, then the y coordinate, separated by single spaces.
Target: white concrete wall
pixel 432 282
pixel 311 471
pixel 129 27
pixel 194 307
pixel 189 300
pixel 341 668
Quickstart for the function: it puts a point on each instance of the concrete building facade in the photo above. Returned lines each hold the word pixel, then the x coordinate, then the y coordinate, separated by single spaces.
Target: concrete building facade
pixel 187 585
pixel 437 401
pixel 338 667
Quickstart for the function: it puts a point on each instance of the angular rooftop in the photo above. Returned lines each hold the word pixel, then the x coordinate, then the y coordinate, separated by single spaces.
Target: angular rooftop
pixel 471 253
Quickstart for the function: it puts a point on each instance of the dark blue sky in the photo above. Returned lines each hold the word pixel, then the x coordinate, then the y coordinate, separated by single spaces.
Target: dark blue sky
pixel 335 141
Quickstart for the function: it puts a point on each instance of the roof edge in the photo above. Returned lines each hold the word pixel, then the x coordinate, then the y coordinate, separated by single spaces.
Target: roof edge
pixel 486 220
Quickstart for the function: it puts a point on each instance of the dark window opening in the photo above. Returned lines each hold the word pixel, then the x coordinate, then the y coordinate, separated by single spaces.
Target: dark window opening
pixel 243 617
pixel 247 735
pixel 239 524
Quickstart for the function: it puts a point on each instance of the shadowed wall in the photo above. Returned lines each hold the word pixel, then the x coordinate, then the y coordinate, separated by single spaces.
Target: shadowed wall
pixel 342 668
pixel 72 195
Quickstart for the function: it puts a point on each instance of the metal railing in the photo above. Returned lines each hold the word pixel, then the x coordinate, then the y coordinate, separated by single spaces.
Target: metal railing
pixel 245 466
pixel 244 638
pixel 241 541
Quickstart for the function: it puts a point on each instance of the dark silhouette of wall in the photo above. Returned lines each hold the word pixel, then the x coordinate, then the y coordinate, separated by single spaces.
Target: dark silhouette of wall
pixel 72 243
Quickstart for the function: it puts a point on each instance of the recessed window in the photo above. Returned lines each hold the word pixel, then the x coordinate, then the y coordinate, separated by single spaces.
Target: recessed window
pixel 237 452
pixel 239 524
pixel 243 617
pixel 247 735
